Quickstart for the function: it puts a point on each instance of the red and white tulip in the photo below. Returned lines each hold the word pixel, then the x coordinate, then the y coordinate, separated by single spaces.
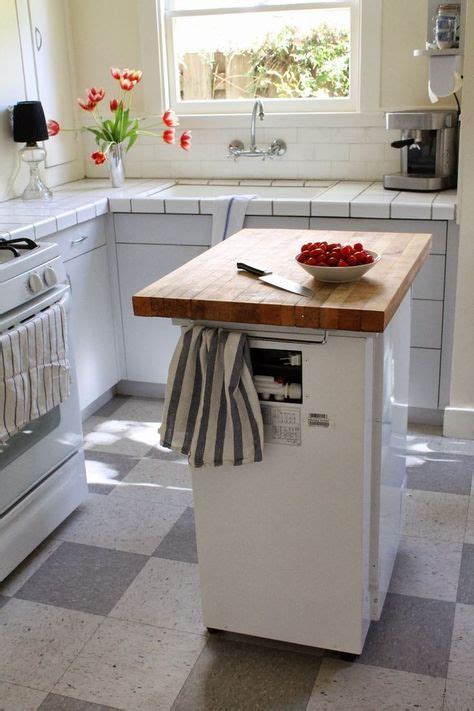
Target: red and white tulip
pixel 169 136
pixel 95 95
pixel 169 118
pixel 185 140
pixel 98 157
pixel 53 127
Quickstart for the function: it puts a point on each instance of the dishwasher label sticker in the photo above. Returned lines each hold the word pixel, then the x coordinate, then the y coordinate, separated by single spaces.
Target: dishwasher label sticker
pixel 281 425
pixel 318 419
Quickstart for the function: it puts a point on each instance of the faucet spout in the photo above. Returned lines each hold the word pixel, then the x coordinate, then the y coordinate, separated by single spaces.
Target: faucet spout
pixel 257 108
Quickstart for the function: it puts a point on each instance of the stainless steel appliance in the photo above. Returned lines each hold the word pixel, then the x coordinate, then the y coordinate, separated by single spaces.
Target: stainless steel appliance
pixel 428 150
pixel 42 473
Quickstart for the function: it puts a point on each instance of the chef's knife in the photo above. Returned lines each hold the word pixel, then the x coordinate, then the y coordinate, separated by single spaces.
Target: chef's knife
pixel 274 280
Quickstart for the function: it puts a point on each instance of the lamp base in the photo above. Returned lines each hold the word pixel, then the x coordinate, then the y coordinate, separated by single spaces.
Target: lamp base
pixel 33 155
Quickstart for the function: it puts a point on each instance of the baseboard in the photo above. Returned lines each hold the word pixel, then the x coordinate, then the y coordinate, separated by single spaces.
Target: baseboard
pixel 97 404
pixel 425 416
pixel 139 389
pixel 459 422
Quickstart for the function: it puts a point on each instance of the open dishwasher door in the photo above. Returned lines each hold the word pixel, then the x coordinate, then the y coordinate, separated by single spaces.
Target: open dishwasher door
pixel 283 545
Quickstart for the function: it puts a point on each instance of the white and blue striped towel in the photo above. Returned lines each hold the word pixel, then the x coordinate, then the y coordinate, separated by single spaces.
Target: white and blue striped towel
pixel 34 369
pixel 212 412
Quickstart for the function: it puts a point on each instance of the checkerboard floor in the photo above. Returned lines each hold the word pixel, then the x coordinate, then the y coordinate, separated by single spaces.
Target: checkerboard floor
pixel 105 614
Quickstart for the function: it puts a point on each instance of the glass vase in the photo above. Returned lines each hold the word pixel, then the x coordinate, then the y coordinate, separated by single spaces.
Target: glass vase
pixel 116 168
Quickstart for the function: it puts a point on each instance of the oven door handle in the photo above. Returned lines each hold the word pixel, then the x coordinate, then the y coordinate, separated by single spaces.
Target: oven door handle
pixel 60 295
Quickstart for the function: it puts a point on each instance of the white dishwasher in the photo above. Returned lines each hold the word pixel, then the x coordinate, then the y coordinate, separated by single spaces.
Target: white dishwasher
pixel 301 546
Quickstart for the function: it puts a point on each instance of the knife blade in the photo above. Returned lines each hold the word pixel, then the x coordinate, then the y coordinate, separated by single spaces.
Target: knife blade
pixel 275 280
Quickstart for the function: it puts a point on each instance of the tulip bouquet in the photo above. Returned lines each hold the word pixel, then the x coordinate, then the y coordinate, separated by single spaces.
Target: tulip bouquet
pixel 118 133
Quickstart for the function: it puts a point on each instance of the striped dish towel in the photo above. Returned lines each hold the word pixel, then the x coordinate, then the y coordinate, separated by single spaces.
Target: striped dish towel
pixel 34 370
pixel 212 412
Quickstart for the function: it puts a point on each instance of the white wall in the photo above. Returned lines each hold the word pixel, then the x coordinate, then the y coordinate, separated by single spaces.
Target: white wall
pixel 318 146
pixel 12 89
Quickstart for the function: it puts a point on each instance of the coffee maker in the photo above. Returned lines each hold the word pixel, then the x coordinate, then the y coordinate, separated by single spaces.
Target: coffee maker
pixel 428 150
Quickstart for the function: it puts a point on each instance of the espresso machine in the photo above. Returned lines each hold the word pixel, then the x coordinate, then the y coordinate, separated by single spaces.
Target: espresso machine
pixel 428 150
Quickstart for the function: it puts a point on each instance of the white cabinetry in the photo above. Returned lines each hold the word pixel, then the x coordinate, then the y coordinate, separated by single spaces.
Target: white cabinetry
pixel 92 319
pixel 150 246
pixel 50 41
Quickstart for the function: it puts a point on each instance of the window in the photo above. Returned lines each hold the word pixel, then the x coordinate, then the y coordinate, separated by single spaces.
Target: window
pixel 296 55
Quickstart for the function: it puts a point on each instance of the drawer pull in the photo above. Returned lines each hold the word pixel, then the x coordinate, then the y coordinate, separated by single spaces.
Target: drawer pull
pixel 79 239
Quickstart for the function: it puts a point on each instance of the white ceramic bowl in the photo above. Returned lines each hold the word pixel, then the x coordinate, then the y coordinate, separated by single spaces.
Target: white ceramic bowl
pixel 340 274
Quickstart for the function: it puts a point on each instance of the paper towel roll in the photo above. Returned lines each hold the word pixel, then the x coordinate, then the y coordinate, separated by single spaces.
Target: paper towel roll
pixel 445 76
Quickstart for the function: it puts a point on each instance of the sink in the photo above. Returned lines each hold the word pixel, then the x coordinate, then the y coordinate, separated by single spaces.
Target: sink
pixel 213 191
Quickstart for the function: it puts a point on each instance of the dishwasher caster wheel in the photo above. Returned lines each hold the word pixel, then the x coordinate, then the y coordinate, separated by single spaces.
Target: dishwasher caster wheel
pixel 348 657
pixel 213 630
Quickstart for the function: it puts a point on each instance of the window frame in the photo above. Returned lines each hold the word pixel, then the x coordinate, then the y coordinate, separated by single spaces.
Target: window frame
pixel 244 106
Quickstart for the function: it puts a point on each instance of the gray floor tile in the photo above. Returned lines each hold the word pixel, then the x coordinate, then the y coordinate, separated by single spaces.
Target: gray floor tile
pixel 133 667
pixel 431 514
pixel 25 570
pixel 466 576
pixel 233 676
pixel 180 542
pixel 413 634
pixel 19 698
pixel 84 578
pixel 111 407
pixel 3 601
pixel 166 593
pixel 459 695
pixel 39 642
pixel 55 702
pixel 427 568
pixel 451 474
pixel 341 686
pixel 120 521
pixel 461 661
pixel 140 409
pixel 104 469
pixel 120 436
pixel 168 482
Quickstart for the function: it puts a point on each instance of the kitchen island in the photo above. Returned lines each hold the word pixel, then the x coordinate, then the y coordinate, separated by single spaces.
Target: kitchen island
pixel 301 547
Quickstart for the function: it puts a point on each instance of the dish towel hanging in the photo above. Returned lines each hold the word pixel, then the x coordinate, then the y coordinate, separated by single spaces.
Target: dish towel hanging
pixel 212 412
pixel 228 216
pixel 34 369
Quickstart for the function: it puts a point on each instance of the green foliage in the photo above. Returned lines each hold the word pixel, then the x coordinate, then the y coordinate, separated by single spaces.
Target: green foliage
pixel 289 65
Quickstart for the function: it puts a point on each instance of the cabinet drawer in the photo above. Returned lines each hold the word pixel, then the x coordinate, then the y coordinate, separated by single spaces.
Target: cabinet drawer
pixel 163 229
pixel 81 238
pixel 437 228
pixel 426 324
pixel 429 284
pixel 424 377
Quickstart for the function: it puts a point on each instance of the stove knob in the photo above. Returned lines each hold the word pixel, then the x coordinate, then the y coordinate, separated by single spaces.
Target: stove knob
pixel 50 277
pixel 35 283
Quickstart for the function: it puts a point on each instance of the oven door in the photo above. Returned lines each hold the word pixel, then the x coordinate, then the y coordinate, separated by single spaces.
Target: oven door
pixel 35 452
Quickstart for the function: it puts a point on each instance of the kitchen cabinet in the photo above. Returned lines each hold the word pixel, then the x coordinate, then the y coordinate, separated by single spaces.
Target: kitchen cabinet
pixel 148 247
pixel 85 253
pixel 50 40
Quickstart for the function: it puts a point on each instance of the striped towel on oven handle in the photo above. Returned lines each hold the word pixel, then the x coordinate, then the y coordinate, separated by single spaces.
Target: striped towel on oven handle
pixel 34 369
pixel 212 412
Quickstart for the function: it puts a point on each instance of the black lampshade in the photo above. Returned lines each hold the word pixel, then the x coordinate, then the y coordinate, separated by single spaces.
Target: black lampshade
pixel 29 123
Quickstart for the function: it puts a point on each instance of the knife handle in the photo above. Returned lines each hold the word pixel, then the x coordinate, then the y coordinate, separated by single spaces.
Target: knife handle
pixel 252 269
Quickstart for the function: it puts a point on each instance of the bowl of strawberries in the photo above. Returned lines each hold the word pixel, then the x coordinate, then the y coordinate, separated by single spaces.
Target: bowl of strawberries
pixel 335 261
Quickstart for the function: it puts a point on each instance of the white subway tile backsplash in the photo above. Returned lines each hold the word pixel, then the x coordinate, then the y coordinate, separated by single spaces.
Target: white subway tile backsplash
pixel 338 147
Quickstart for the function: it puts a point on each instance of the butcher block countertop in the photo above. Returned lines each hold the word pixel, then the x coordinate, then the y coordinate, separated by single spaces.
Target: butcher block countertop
pixel 210 288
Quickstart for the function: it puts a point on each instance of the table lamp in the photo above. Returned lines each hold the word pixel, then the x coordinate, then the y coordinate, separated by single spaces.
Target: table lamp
pixel 29 126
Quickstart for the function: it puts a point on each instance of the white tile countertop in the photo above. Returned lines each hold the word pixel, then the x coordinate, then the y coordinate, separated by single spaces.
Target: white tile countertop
pixel 83 200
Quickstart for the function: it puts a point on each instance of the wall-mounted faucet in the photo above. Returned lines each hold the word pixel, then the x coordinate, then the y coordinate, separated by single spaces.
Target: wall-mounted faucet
pixel 237 149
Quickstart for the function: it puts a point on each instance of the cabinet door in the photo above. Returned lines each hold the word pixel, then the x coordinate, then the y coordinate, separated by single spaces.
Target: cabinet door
pixel 149 342
pixel 92 325
pixel 49 32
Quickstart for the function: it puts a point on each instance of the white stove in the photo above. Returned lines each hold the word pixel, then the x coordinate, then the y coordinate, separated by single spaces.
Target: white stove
pixel 42 472
pixel 27 270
